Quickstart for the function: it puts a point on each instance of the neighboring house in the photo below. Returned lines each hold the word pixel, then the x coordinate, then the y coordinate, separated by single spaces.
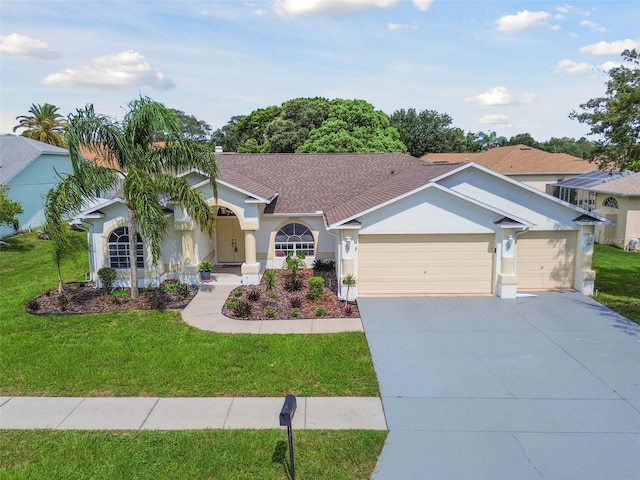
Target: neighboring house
pixel 529 165
pixel 619 201
pixel 577 191
pixel 28 168
pixel 399 225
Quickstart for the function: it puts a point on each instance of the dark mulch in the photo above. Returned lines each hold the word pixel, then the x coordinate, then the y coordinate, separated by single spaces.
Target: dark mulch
pixel 279 301
pixel 85 298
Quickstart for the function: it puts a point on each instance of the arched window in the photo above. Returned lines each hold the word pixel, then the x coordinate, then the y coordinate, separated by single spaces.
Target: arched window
pixel 119 249
pixel 294 238
pixel 610 202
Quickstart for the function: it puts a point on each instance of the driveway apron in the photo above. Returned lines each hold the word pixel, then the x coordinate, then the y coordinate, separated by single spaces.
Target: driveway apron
pixel 546 386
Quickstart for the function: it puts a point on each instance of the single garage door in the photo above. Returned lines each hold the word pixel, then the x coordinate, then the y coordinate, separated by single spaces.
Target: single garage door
pixel 425 264
pixel 546 260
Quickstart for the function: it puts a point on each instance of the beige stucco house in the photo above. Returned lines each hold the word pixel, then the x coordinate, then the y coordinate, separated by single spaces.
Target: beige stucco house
pixel 402 226
pixel 619 201
pixel 529 165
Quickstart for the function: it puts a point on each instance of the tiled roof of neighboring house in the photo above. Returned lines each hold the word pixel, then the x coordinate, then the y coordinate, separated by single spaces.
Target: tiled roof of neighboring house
pixel 341 185
pixel 628 185
pixel 518 159
pixel 17 152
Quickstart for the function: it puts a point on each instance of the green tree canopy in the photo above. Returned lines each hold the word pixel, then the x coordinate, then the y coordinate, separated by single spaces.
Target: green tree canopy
pixel 615 117
pixel 145 167
pixel 44 124
pixel 9 209
pixel 193 128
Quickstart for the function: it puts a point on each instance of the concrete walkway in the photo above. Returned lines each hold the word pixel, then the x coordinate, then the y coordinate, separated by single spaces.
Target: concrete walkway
pixel 152 413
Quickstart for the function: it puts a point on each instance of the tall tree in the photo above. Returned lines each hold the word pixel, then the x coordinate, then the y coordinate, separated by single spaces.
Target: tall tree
pixel 44 124
pixel 523 139
pixel 490 140
pixel 615 117
pixel 193 128
pixel 9 209
pixel 147 168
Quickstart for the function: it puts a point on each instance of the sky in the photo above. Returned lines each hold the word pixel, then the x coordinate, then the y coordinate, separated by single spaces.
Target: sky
pixel 504 66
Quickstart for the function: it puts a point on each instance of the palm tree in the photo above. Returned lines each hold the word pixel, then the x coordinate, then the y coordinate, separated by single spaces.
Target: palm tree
pixel 144 152
pixel 44 124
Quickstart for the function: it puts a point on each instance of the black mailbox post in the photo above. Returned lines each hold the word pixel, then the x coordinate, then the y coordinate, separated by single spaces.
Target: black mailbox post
pixel 286 415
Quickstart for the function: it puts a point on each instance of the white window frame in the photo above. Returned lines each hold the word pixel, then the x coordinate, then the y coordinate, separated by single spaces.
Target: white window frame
pixel 293 238
pixel 118 249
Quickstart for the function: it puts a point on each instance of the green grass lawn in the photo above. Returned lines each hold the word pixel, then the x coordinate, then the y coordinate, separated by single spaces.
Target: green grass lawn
pixel 215 454
pixel 150 353
pixel 618 280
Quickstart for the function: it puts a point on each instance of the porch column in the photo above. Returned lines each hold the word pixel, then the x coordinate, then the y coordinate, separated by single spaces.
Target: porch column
pixel 507 285
pixel 250 268
pixel 585 276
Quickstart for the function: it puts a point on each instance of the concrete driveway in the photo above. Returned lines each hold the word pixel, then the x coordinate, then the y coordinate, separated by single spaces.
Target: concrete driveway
pixel 484 388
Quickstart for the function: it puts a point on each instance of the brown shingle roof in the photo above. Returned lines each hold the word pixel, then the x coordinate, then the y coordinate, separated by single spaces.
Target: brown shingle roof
pixel 628 185
pixel 341 185
pixel 519 159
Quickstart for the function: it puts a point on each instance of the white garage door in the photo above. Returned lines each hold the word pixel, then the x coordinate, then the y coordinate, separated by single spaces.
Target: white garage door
pixel 425 264
pixel 546 260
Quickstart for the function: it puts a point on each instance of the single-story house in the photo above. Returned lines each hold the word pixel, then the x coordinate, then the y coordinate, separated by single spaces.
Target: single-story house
pixel 619 201
pixel 400 225
pixel 528 165
pixel 29 168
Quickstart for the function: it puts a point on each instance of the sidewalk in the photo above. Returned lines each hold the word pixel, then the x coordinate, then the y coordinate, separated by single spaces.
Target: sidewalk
pixel 152 413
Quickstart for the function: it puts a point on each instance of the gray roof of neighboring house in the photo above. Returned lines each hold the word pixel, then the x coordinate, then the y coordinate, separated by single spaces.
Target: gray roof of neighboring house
pixel 628 185
pixel 17 152
pixel 340 185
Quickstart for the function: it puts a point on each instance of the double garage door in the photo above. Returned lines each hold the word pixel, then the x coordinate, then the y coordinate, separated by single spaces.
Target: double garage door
pixel 460 264
pixel 425 264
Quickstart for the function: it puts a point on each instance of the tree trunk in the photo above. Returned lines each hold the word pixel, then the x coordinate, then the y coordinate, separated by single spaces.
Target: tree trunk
pixel 133 249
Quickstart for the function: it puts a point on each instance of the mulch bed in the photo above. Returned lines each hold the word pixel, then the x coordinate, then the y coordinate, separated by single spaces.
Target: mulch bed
pixel 85 298
pixel 276 305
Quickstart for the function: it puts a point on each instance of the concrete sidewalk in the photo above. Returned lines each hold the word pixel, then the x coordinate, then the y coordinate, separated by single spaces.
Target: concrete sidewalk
pixel 152 413
pixel 205 313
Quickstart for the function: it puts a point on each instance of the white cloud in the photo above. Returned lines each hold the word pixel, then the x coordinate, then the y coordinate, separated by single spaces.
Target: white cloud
pixel 573 68
pixel 113 72
pixel 327 7
pixel 492 97
pixel 422 5
pixel 606 66
pixel 495 120
pixel 26 46
pixel 522 21
pixel 401 26
pixel 602 49
pixel 593 26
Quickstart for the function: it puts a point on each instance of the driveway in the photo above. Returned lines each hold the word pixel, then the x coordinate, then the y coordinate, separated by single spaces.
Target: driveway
pixel 483 388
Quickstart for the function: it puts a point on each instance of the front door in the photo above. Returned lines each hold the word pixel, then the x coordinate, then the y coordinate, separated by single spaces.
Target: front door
pixel 230 240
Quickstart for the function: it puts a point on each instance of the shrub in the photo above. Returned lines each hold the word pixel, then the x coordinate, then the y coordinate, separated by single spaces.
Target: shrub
pixel 293 283
pixel 295 314
pixel 323 265
pixel 119 292
pixel 253 294
pixel 295 302
pixel 242 309
pixel 237 292
pixel 63 302
pixel 158 300
pixel 270 314
pixel 321 312
pixel 107 275
pixel 33 305
pixel 174 287
pixel 348 310
pixel 270 279
pixel 316 288
pixel 231 304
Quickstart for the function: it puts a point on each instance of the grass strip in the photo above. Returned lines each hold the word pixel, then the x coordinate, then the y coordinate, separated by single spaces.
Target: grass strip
pixel 211 454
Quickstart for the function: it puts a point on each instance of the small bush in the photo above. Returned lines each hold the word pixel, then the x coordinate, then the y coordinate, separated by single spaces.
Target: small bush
pixel 316 288
pixel 242 308
pixel 295 314
pixel 119 292
pixel 253 294
pixel 63 302
pixel 321 265
pixel 33 305
pixel 293 283
pixel 270 314
pixel 295 302
pixel 158 300
pixel 321 312
pixel 270 279
pixel 237 292
pixel 348 310
pixel 231 304
pixel 107 276
pixel 174 287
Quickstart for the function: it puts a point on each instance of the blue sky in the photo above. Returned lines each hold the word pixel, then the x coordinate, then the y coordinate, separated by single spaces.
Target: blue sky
pixel 503 66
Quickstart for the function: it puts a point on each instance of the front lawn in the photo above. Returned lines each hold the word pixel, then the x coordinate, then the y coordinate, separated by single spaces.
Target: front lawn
pixel 151 353
pixel 618 280
pixel 223 454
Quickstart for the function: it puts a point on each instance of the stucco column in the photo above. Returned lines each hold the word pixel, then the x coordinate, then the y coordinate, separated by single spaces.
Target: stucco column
pixel 188 249
pixel 507 285
pixel 585 277
pixel 250 268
